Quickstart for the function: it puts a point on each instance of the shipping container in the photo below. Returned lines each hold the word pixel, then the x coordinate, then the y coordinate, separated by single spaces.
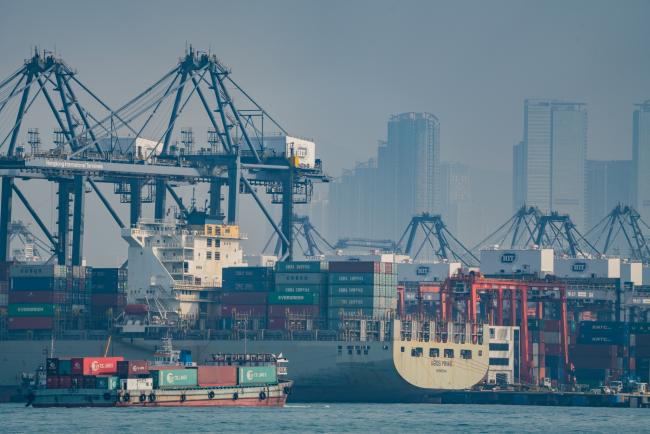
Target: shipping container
pixel 50 297
pixel 250 286
pixel 27 270
pixel 52 365
pixel 77 365
pixel 301 266
pixel 132 368
pixel 65 381
pixel 355 267
pixel 32 310
pixel 244 298
pixel 335 313
pixel 301 278
pixel 52 381
pixel 108 300
pixel 247 273
pixel 100 365
pixel 354 290
pixel 257 374
pixel 282 310
pixel 253 310
pixel 216 376
pixel 65 367
pixel 37 284
pixel 354 278
pixel 31 323
pixel 361 302
pixel 298 298
pixel 109 382
pixel 174 378
pixel 299 289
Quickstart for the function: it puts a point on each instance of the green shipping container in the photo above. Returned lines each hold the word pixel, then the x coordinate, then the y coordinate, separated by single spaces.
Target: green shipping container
pixel 356 302
pixel 257 375
pixel 300 278
pixel 354 278
pixel 174 378
pixel 355 291
pixel 65 367
pixel 110 382
pixel 301 267
pixel 300 289
pixel 300 298
pixel 25 309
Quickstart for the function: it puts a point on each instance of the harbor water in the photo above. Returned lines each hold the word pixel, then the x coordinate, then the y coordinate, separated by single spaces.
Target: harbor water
pixel 327 418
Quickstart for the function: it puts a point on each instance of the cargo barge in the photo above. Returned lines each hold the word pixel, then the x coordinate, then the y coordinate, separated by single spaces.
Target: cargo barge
pixel 171 379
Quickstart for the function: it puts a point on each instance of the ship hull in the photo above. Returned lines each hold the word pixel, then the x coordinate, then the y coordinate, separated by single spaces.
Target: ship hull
pixel 274 395
pixel 322 371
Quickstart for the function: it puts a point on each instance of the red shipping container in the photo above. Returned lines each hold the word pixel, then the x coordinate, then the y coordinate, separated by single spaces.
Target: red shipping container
pixel 135 309
pixel 100 365
pixel 52 382
pixel 31 323
pixel 132 368
pixel 36 297
pixel 281 311
pixel 65 382
pixel 254 310
pixel 77 365
pixel 214 376
pixel 551 325
pixel 277 324
pixel 258 298
pixel 354 267
pixel 387 267
pixel 424 288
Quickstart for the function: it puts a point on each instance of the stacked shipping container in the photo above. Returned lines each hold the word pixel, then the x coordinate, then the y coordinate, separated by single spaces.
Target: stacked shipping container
pixel 108 295
pixel 38 295
pixel 300 297
pixel 245 293
pixel 361 289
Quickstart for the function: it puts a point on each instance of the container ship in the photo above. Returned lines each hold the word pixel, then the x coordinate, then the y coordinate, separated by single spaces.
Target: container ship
pixel 370 328
pixel 171 379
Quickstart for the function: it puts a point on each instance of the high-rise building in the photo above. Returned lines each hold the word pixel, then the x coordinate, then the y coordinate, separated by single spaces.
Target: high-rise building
pixel 608 184
pixel 456 197
pixel 409 169
pixel 641 158
pixel 377 198
pixel 549 164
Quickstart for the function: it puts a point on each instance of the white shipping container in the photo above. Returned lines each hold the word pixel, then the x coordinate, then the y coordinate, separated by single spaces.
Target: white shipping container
pixel 632 272
pixel 585 268
pixel 426 272
pixel 289 146
pixel 136 384
pixel 517 261
pixel 260 260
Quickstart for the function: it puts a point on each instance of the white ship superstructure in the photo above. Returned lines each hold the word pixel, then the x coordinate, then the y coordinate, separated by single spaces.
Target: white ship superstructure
pixel 173 265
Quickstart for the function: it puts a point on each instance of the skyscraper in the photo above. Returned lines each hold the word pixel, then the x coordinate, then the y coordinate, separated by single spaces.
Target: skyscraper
pixel 608 184
pixel 549 163
pixel 408 168
pixel 377 198
pixel 641 158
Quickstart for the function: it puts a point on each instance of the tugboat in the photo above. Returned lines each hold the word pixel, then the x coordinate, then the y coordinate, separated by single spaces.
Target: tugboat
pixel 171 379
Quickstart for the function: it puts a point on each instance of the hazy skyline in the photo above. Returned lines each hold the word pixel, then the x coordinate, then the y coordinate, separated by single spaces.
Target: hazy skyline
pixel 335 71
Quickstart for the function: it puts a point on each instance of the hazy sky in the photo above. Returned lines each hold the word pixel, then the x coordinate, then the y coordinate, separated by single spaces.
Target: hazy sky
pixel 336 70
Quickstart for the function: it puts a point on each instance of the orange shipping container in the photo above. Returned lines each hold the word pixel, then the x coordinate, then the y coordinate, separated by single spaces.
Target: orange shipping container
pixel 214 376
pixel 100 365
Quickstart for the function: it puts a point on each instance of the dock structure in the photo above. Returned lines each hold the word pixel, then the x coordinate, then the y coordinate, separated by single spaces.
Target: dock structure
pixel 85 154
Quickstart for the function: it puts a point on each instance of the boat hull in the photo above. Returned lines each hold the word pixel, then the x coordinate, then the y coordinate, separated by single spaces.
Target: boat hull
pixel 274 395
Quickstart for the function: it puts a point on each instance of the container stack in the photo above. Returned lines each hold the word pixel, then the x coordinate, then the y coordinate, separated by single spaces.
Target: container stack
pixel 108 295
pixel 364 290
pixel 38 295
pixel 4 287
pixel 244 296
pixel 82 373
pixel 595 355
pixel 300 298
